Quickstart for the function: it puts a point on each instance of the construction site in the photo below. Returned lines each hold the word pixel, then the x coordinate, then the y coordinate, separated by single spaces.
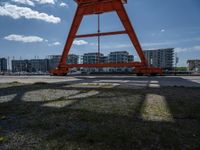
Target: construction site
pixel 147 109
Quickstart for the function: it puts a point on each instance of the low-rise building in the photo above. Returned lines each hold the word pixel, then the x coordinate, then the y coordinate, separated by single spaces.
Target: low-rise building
pixel 38 65
pixel 194 65
pixel 53 61
pixel 93 58
pixel 72 59
pixel 33 65
pixel 41 65
pixel 120 57
pixel 19 65
pixel 113 57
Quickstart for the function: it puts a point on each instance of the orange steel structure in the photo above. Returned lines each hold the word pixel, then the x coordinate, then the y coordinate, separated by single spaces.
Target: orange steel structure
pixel 90 7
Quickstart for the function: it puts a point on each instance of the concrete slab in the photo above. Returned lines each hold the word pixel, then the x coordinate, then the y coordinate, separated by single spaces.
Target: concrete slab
pixel 35 79
pixel 123 81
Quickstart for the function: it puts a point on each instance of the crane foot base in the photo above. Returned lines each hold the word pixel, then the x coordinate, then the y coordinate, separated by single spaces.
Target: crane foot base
pixel 150 71
pixel 59 72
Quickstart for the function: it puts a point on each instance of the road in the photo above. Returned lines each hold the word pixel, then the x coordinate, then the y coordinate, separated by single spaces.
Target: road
pixel 124 81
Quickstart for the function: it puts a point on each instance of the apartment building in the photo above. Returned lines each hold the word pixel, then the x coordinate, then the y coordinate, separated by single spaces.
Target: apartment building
pixel 3 64
pixel 162 58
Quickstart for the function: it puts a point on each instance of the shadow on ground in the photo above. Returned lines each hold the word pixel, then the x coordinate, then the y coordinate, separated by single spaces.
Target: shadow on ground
pixel 109 118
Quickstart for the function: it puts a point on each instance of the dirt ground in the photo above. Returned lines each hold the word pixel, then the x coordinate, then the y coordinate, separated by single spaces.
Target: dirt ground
pixel 98 116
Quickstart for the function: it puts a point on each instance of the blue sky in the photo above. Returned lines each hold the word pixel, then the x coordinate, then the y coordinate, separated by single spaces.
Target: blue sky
pixel 30 28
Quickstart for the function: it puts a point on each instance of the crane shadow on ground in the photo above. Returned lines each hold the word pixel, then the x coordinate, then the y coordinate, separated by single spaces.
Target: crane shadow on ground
pixel 63 116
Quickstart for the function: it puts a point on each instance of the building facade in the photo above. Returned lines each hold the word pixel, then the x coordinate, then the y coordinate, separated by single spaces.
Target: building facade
pixel 120 57
pixel 33 65
pixel 38 65
pixel 113 57
pixel 19 65
pixel 41 65
pixel 3 65
pixel 194 65
pixel 162 58
pixel 53 61
pixel 72 59
pixel 93 58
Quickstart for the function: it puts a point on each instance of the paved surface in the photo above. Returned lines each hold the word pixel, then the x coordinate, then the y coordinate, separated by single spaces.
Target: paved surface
pixel 124 81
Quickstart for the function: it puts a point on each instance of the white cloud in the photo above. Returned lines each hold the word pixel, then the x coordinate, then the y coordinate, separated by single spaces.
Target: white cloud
pixel 162 30
pixel 64 5
pixel 55 44
pixel 80 42
pixel 45 1
pixel 17 12
pixel 26 2
pixel 189 49
pixel 24 39
pixel 32 2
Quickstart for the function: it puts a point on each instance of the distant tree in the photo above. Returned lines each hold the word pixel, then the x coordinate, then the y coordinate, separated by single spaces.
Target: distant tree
pixel 181 68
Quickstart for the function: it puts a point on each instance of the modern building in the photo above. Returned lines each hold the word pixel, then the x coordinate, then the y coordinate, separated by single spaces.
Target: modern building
pixel 41 65
pixel 93 58
pixel 38 65
pixel 55 59
pixel 20 65
pixel 3 64
pixel 72 59
pixel 120 57
pixel 113 57
pixel 194 65
pixel 162 58
pixel 33 65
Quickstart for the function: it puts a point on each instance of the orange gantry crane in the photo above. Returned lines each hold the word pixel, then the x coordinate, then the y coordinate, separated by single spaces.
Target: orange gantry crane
pixel 91 7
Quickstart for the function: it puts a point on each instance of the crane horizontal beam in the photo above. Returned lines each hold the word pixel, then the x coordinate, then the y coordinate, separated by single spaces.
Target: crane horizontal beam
pixel 100 34
pixel 105 65
pixel 94 1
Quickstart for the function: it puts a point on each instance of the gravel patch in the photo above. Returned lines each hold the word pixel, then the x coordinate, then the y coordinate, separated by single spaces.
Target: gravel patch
pixel 7 98
pixel 48 95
